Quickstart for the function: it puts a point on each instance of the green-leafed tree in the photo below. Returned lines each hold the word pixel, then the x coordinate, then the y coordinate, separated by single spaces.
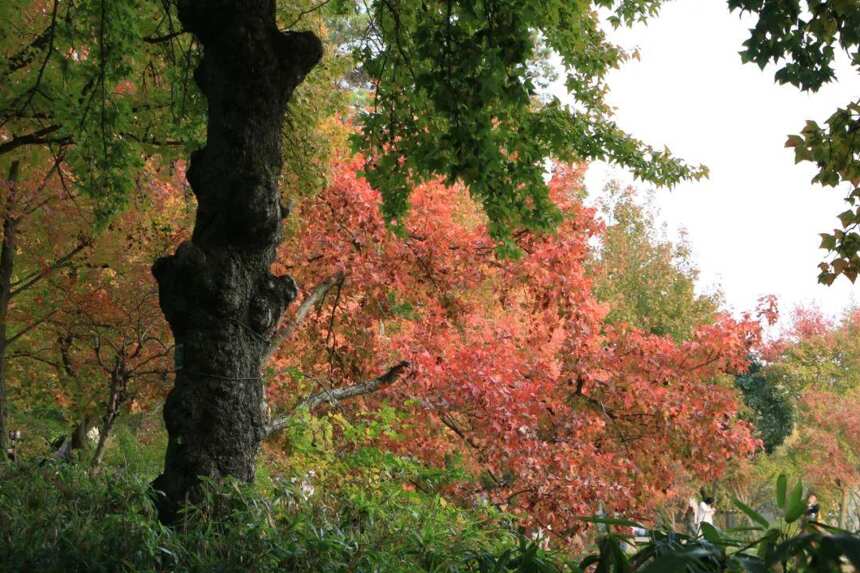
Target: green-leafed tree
pixel 771 410
pixel 804 38
pixel 649 281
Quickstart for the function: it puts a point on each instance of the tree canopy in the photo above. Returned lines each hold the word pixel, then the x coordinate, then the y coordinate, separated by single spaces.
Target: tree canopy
pixel 805 39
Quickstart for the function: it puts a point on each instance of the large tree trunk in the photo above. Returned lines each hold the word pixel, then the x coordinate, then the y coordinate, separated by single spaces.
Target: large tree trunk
pixel 217 293
pixel 7 265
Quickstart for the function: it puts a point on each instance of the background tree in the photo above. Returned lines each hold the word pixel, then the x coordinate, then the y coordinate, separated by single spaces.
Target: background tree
pixel 649 281
pixel 814 368
pixel 88 90
pixel 44 231
pixel 772 411
pixel 100 330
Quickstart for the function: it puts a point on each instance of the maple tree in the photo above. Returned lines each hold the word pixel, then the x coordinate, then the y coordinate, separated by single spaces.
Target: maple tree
pixel 512 364
pixel 815 363
pixel 112 345
pixel 32 252
pixel 84 100
pixel 98 342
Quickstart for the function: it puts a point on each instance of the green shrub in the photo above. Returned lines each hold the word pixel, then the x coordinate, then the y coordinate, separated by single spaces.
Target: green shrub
pixel 788 544
pixel 60 518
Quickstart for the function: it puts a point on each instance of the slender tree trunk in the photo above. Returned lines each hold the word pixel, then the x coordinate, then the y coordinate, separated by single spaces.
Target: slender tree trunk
pixel 118 395
pixel 216 291
pixel 79 435
pixel 843 507
pixel 7 265
pixel 104 431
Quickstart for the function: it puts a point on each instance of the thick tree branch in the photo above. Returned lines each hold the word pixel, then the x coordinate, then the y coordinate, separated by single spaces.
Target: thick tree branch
pixel 35 138
pixel 317 294
pixel 337 394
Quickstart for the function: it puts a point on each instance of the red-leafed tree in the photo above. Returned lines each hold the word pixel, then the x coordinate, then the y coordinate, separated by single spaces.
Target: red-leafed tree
pixel 511 363
pixel 816 362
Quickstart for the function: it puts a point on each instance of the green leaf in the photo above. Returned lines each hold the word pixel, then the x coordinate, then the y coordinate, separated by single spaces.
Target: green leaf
pixel 781 486
pixel 795 506
pixel 847 217
pixel 752 514
pixel 710 533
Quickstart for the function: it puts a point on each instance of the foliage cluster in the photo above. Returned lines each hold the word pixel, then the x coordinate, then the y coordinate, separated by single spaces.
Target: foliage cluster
pixel 790 543
pixel 649 281
pixel 804 38
pixel 61 518
pixel 514 367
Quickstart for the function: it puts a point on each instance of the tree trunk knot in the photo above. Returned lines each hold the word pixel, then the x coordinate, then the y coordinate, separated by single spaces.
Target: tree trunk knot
pixel 271 297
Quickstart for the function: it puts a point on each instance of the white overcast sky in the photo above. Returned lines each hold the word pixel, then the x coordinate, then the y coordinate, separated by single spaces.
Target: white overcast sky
pixel 754 223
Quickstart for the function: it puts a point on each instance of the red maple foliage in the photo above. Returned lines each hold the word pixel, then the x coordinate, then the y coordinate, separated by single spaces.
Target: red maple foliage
pixel 513 365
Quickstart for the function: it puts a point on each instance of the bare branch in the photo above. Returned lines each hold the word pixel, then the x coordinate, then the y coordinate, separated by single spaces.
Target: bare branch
pixel 163 38
pixel 316 296
pixel 335 395
pixel 304 13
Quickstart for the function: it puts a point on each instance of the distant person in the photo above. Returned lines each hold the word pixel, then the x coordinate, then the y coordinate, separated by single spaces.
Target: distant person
pixel 12 451
pixel 706 512
pixel 812 507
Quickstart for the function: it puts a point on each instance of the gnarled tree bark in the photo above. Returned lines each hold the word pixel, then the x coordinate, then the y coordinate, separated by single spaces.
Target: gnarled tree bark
pixel 216 291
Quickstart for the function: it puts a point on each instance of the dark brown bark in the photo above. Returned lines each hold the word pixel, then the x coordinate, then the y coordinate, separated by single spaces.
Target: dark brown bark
pixel 216 291
pixel 7 265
